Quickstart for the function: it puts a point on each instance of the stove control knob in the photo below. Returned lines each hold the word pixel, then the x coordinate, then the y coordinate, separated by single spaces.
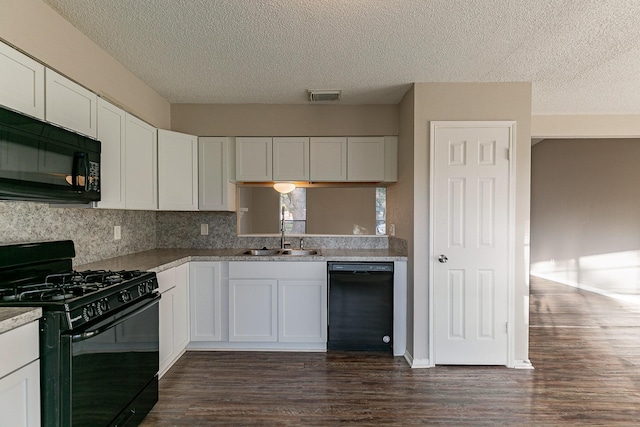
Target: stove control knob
pixel 124 296
pixel 103 305
pixel 149 287
pixel 88 312
pixel 142 289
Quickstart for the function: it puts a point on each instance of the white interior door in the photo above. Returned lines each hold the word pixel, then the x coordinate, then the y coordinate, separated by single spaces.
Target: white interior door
pixel 471 231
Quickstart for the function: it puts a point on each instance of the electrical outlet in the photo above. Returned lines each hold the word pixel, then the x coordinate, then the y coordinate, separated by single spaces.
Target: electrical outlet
pixel 392 229
pixel 204 229
pixel 117 232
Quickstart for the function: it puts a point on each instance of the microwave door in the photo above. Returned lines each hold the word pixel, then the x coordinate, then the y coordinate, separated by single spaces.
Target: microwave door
pixel 42 162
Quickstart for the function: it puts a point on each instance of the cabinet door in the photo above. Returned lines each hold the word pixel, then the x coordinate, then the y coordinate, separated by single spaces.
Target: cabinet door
pixel 111 133
pixel 253 159
pixel 21 82
pixel 141 173
pixel 365 159
pixel 216 192
pixel 253 310
pixel 328 159
pixel 177 171
pixel 70 105
pixel 20 397
pixel 291 159
pixel 166 310
pixel 181 309
pixel 302 315
pixel 205 308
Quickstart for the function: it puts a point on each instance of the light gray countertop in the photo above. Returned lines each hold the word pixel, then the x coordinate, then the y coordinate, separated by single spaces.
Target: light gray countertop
pixel 162 259
pixel 14 317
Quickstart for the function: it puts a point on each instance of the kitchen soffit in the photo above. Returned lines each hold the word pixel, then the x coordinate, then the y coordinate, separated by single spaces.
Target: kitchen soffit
pixel 582 56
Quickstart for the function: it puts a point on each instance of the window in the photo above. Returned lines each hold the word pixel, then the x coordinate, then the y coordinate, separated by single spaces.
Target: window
pixel 295 212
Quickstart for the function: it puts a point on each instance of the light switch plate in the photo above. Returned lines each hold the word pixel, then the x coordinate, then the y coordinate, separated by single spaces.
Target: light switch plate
pixel 392 229
pixel 117 232
pixel 204 229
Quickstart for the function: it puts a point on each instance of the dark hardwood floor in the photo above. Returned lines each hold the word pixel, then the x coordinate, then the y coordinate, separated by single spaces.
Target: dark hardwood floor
pixel 585 349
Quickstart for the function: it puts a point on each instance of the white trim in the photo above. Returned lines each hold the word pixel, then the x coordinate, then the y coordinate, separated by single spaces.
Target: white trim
pixel 523 364
pixel 511 363
pixel 417 363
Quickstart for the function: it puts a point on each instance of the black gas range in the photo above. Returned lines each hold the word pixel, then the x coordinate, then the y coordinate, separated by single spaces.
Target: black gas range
pixel 99 337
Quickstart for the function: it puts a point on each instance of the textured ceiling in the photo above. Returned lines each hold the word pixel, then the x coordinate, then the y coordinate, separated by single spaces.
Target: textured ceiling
pixel 582 56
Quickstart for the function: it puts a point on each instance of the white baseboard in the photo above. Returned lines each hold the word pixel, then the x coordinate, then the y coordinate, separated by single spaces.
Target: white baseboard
pixel 417 363
pixel 523 364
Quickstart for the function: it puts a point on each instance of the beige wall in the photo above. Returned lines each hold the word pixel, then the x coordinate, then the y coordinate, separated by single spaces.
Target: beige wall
pixel 326 209
pixel 585 212
pixel 400 205
pixel 259 207
pixel 284 120
pixel 36 29
pixel 470 101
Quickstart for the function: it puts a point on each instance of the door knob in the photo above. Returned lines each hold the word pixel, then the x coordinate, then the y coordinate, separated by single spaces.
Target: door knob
pixel 443 259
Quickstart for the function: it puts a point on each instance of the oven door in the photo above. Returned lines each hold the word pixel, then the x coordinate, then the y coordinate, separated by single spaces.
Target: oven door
pixel 114 364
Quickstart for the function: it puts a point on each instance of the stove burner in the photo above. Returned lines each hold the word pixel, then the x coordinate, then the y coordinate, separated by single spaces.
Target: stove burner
pixel 61 297
pixel 65 286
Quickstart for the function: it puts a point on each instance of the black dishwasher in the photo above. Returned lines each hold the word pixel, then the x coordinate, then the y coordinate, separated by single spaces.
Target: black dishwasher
pixel 360 306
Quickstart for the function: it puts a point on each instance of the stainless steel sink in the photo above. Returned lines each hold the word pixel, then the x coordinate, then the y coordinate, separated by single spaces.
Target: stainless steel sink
pixel 299 252
pixel 280 252
pixel 262 252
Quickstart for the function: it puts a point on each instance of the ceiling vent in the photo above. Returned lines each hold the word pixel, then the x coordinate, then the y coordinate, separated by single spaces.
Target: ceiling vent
pixel 324 95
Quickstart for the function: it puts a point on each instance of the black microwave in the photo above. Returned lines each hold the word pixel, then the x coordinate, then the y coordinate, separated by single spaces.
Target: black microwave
pixel 45 163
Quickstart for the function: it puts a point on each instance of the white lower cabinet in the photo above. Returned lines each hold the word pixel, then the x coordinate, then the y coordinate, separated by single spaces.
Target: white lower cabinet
pixel 206 308
pixel 278 302
pixel 258 305
pixel 174 315
pixel 20 377
pixel 302 310
pixel 253 310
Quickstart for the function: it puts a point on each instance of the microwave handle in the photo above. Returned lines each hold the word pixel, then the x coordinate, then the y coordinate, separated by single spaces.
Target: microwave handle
pixel 80 166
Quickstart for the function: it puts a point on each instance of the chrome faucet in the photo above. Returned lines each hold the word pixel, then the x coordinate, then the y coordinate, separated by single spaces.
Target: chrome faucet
pixel 282 243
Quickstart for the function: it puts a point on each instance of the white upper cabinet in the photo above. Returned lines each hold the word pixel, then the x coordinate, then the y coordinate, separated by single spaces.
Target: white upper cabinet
pixel 70 105
pixel 365 159
pixel 328 159
pixel 254 159
pixel 111 133
pixel 177 171
pixel 141 172
pixel 21 82
pixel 291 159
pixel 216 191
pixel 272 159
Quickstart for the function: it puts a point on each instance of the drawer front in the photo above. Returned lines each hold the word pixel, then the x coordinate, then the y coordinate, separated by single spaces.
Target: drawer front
pixel 23 342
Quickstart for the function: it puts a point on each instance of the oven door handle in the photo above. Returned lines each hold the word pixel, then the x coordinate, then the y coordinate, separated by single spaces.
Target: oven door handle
pixel 92 333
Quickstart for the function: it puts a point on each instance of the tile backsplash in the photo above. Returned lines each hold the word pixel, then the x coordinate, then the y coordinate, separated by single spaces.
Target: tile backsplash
pixel 182 230
pixel 92 231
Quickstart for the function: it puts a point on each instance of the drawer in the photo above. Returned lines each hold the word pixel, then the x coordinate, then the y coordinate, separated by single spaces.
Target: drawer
pixel 23 342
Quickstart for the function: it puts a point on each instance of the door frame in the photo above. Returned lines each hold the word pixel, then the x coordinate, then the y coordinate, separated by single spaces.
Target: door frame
pixel 511 125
